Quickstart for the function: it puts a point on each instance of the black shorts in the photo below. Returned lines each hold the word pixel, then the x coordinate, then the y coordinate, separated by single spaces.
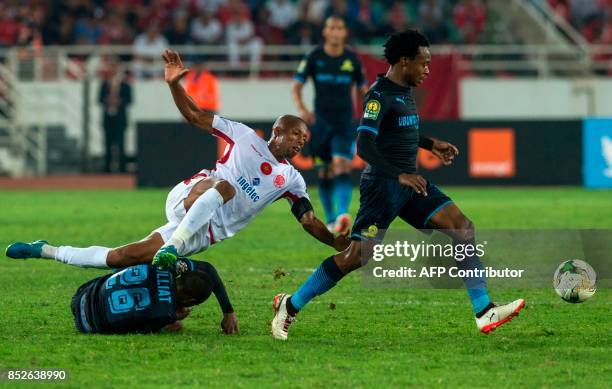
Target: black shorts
pixel 383 199
pixel 332 135
pixel 81 307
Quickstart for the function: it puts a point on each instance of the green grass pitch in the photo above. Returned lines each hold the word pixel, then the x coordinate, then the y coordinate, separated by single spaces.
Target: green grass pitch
pixel 373 337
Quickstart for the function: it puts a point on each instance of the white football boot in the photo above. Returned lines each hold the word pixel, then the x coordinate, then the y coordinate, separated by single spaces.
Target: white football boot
pixel 498 315
pixel 282 319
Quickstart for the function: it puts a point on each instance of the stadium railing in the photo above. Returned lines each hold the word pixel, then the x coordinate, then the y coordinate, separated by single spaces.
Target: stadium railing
pixel 75 62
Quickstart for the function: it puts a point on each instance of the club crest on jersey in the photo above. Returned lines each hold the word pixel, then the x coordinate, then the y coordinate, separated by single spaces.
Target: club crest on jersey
pixel 347 66
pixel 279 181
pixel 266 168
pixel 372 109
pixel 255 181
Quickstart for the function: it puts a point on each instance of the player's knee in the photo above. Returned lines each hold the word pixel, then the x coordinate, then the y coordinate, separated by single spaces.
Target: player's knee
pixel 225 189
pixel 349 259
pixel 466 228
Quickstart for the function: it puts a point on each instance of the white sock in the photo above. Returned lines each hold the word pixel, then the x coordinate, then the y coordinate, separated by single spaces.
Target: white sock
pixel 198 215
pixel 94 256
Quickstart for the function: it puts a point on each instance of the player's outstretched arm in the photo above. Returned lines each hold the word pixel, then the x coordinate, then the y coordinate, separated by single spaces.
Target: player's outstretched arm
pixel 174 71
pixel 315 227
pixel 229 323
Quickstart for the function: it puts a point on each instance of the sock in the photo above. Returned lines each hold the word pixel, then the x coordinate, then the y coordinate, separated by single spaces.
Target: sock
pixel 198 215
pixel 94 256
pixel 476 286
pixel 343 189
pixel 47 251
pixel 323 279
pixel 326 192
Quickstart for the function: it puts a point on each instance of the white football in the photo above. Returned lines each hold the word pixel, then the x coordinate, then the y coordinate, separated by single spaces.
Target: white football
pixel 574 281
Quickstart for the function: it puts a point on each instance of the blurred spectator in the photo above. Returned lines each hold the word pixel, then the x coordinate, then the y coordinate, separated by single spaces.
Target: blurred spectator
pixel 209 5
pixel 470 18
pixel 431 19
pixel 270 34
pixel 282 13
pixel 116 31
pixel 115 96
pixel 315 10
pixel 303 32
pixel 227 11
pixel 397 18
pixel 240 33
pixel 203 87
pixel 178 33
pixel 364 15
pixel 148 47
pixel 87 30
pixel 9 27
pixel 205 29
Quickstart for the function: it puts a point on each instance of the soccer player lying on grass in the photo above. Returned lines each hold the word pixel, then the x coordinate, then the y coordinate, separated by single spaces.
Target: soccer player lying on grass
pixel 145 299
pixel 388 140
pixel 213 205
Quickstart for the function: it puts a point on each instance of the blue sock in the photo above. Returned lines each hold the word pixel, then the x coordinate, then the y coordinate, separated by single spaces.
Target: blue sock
pixel 326 192
pixel 323 279
pixel 476 286
pixel 343 189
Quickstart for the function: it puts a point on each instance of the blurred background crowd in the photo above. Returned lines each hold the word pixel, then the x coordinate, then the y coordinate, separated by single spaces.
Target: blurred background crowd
pixel 157 23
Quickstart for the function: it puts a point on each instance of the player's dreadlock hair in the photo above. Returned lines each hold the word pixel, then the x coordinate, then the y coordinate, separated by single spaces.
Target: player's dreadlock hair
pixel 193 286
pixel 404 44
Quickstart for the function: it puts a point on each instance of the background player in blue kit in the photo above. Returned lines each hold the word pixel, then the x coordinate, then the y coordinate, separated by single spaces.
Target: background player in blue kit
pixel 145 299
pixel 390 187
pixel 334 70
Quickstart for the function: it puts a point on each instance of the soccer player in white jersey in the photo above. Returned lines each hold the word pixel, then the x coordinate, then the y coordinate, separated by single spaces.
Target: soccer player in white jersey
pixel 213 205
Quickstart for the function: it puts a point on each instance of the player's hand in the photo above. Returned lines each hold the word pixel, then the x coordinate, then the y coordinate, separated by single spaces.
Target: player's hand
pixel 182 313
pixel 342 241
pixel 229 324
pixel 174 69
pixel 445 151
pixel 308 116
pixel 414 181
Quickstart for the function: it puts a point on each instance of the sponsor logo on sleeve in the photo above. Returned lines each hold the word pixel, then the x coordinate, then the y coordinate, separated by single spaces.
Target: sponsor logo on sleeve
pixel 266 168
pixel 372 109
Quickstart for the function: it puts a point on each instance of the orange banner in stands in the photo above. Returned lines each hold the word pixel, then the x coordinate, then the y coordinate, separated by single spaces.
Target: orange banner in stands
pixel 491 152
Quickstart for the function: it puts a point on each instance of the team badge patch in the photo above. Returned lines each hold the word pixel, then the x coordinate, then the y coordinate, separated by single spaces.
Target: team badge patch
pixel 372 109
pixel 279 181
pixel 302 66
pixel 371 232
pixel 347 66
pixel 266 168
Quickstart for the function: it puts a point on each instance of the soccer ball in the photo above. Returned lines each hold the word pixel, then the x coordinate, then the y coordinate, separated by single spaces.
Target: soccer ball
pixel 574 281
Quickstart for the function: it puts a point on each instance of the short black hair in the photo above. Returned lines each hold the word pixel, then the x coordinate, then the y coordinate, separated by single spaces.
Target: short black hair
pixel 337 17
pixel 404 44
pixel 194 285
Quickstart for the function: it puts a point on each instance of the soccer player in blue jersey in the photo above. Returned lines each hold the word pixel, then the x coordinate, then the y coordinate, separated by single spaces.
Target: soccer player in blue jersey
pixel 145 299
pixel 334 70
pixel 388 140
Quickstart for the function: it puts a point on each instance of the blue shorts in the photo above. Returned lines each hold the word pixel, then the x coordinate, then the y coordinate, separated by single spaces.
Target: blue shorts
pixel 332 135
pixel 383 199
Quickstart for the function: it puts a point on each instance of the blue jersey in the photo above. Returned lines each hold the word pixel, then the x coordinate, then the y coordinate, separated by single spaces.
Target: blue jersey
pixel 139 298
pixel 390 113
pixel 333 79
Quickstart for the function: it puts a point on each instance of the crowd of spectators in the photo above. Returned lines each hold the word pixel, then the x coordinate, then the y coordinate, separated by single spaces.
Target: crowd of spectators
pixel 592 18
pixel 69 22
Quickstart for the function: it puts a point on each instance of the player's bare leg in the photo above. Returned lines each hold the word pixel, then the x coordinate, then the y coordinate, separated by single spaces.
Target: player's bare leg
pixel 326 193
pixel 489 316
pixel 106 257
pixel 343 190
pixel 201 203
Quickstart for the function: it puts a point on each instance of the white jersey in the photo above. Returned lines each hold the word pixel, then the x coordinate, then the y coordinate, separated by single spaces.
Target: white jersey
pixel 249 166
